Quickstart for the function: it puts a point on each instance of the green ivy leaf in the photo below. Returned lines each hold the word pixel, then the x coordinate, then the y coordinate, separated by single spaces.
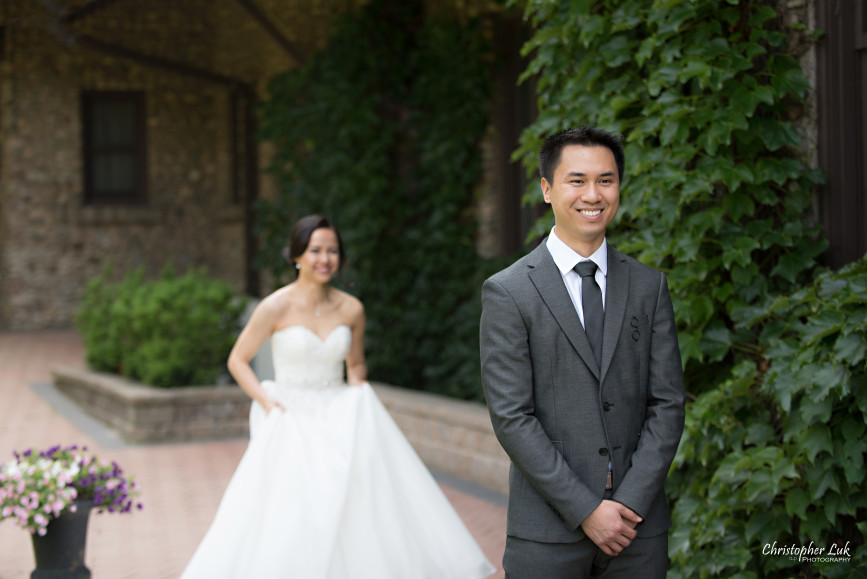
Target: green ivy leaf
pixel 788 267
pixel 826 480
pixel 836 505
pixel 759 524
pixel 696 69
pixel 763 94
pixel 646 50
pixel 851 349
pixel 797 501
pixel 791 81
pixel 761 15
pixel 819 407
pixel 824 323
pixel 853 465
pixel 616 51
pixel 593 26
pixel 716 342
pixel 690 347
pixel 784 468
pixel 817 439
pixel 760 488
pixel 741 173
pixel 759 433
pixel 775 134
pixel 853 431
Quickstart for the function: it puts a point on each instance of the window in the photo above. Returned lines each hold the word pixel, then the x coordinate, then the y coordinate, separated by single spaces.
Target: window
pixel 114 147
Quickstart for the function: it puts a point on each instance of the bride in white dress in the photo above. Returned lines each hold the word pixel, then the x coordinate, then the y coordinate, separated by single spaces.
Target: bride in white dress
pixel 328 488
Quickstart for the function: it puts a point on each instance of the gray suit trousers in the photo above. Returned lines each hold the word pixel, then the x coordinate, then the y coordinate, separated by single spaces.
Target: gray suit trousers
pixel 645 558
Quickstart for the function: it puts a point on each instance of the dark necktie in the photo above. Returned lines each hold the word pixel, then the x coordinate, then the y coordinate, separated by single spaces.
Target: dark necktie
pixel 591 302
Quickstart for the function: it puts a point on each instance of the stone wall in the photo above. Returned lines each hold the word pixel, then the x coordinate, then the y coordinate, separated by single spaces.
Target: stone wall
pixel 144 414
pixel 799 20
pixel 452 436
pixel 51 242
pixel 54 242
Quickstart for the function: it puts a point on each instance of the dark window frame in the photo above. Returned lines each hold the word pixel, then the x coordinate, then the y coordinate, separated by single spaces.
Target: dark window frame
pixel 239 142
pixel 137 149
pixel 841 76
pixel 861 24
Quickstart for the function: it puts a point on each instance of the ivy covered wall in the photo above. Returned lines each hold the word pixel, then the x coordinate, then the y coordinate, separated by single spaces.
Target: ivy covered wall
pixel 380 131
pixel 710 95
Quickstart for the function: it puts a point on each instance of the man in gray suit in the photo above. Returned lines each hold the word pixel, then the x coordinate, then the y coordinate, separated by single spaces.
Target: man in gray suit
pixel 582 375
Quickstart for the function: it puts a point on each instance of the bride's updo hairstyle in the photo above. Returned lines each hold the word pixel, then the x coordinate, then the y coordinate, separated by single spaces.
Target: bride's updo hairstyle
pixel 299 239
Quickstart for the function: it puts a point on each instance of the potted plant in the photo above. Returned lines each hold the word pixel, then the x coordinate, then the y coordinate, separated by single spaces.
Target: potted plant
pixel 51 492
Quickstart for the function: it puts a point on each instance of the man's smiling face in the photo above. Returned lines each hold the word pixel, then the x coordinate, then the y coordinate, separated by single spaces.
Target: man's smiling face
pixel 585 195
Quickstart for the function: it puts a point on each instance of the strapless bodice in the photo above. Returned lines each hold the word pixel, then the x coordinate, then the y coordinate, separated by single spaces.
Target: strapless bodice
pixel 303 359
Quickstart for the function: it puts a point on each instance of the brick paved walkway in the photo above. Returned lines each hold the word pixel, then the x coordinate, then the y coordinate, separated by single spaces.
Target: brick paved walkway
pixel 181 483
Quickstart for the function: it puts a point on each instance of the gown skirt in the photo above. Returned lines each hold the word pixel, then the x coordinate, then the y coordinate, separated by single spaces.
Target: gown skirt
pixel 330 488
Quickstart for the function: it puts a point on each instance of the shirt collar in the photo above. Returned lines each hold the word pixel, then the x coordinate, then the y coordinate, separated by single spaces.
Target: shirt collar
pixel 566 258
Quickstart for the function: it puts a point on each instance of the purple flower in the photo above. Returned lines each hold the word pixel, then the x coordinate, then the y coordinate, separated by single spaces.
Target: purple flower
pixel 40 485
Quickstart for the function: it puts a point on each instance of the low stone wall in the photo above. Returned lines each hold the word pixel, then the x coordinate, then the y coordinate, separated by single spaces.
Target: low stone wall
pixel 145 414
pixel 451 436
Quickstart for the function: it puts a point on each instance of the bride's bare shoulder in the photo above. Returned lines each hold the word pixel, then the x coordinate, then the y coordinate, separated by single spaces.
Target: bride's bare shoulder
pixel 349 303
pixel 277 302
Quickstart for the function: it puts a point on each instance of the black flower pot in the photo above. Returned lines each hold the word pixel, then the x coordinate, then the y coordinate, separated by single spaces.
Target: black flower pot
pixel 60 553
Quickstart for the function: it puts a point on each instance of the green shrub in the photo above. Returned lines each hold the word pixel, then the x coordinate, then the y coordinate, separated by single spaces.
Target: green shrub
pixel 103 350
pixel 176 331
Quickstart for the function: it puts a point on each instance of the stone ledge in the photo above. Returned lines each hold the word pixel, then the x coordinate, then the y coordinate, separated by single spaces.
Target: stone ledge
pixel 451 436
pixel 143 414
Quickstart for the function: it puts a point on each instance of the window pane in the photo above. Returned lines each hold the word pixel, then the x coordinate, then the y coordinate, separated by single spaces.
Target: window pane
pixel 114 123
pixel 114 146
pixel 114 174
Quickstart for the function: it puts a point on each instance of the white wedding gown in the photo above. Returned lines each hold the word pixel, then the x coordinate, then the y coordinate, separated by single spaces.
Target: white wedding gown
pixel 331 489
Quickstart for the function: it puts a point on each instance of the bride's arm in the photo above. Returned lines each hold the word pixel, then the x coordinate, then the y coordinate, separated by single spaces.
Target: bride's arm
pixel 356 367
pixel 258 329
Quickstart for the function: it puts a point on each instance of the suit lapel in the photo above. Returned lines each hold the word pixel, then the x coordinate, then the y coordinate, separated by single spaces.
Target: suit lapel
pixel 616 296
pixel 549 283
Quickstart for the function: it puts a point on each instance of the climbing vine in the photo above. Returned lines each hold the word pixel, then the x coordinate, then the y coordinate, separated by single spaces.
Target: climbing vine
pixel 380 132
pixel 718 197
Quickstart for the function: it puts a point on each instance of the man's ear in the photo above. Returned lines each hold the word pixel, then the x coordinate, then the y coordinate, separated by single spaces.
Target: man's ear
pixel 546 190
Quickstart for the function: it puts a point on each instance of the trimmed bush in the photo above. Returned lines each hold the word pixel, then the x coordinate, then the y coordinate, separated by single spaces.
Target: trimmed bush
pixel 175 331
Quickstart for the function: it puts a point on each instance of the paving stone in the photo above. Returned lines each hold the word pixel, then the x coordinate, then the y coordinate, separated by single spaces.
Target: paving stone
pixel 182 483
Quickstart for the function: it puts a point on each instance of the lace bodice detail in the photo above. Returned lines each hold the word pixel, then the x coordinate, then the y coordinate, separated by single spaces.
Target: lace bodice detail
pixel 303 359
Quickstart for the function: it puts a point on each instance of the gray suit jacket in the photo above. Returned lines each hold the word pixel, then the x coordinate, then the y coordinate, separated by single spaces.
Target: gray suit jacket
pixel 560 417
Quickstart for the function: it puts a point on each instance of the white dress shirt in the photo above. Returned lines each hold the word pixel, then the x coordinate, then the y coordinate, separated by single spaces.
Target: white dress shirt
pixel 567 258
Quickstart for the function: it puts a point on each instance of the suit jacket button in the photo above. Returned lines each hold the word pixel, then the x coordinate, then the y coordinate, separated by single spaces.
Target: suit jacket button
pixel 603 451
pixel 606 406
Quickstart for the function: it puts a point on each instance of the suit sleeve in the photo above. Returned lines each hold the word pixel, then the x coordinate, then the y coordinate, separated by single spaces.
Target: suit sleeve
pixel 664 417
pixel 507 378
